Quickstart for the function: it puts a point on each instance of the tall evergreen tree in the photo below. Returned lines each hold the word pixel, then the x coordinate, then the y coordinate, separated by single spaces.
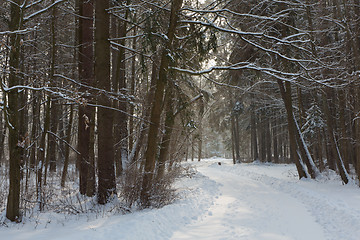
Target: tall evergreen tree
pixel 151 150
pixel 86 75
pixel 16 142
pixel 106 170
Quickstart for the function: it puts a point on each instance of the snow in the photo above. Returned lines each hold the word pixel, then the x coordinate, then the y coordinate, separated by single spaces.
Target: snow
pixel 244 201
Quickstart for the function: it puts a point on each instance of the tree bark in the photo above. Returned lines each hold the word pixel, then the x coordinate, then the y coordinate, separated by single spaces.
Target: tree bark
pixel 193 147
pixel 356 55
pixel 54 114
pixel 286 96
pixel 233 141
pixel 237 138
pixel 344 140
pixel 319 147
pixel 71 115
pixel 254 142
pixel 165 143
pixel 121 128
pixel 132 93
pixel 86 74
pixel 200 135
pixel 268 140
pixel 14 138
pixel 146 112
pixel 304 152
pixel 41 155
pixel 262 138
pixel 334 146
pixel 67 148
pixel 275 140
pixel 357 131
pixel 35 127
pixel 51 155
pixel 91 179
pixel 2 138
pixel 106 170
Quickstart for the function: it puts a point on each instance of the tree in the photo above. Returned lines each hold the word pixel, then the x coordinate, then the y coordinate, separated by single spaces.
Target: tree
pixel 16 142
pixel 106 171
pixel 120 86
pixel 86 113
pixel 54 108
pixel 150 154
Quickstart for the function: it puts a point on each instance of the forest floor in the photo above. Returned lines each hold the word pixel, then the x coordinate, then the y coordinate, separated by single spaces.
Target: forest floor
pixel 244 201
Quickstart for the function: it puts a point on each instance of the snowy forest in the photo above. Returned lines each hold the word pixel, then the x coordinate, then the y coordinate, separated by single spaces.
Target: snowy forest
pixel 102 101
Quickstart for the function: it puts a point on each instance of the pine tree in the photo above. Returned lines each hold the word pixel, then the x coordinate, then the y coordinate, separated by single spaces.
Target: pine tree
pixel 106 170
pixel 16 143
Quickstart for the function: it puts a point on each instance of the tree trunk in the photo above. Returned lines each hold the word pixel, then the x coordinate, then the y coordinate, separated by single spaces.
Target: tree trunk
pixel 67 148
pixel 356 55
pixel 186 148
pixel 35 127
pixel 15 141
pixel 150 154
pixel 54 115
pixel 301 107
pixel 232 140
pixel 91 179
pixel 334 146
pixel 357 132
pixel 200 140
pixel 280 141
pixel 262 140
pixel 320 150
pixel 2 134
pixel 146 112
pixel 51 153
pixel 237 138
pixel 193 148
pixel 41 155
pixel 301 145
pixel 286 96
pixel 71 116
pixel 254 142
pixel 86 75
pixel 165 143
pixel 132 93
pixel 61 129
pixel 344 140
pixel 235 133
pixel 275 140
pixel 106 170
pixel 268 140
pixel 23 127
pixel 121 128
pixel 304 152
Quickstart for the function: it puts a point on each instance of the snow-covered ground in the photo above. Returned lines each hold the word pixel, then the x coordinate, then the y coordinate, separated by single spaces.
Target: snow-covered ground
pixel 244 201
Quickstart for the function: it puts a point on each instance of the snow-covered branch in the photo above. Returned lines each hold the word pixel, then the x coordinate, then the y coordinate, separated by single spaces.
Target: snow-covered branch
pixel 232 12
pixel 37 13
pixel 243 65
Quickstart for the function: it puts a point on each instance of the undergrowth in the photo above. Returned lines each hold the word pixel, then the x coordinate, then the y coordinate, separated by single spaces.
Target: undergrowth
pixel 69 203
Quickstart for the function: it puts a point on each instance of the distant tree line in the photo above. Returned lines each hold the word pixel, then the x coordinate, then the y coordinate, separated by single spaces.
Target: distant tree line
pixel 295 65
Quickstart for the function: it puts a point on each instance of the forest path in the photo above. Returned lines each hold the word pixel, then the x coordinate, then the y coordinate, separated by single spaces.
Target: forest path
pixel 243 202
pixel 248 207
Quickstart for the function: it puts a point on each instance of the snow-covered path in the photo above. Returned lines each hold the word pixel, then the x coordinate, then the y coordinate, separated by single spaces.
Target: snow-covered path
pixel 250 209
pixel 243 201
